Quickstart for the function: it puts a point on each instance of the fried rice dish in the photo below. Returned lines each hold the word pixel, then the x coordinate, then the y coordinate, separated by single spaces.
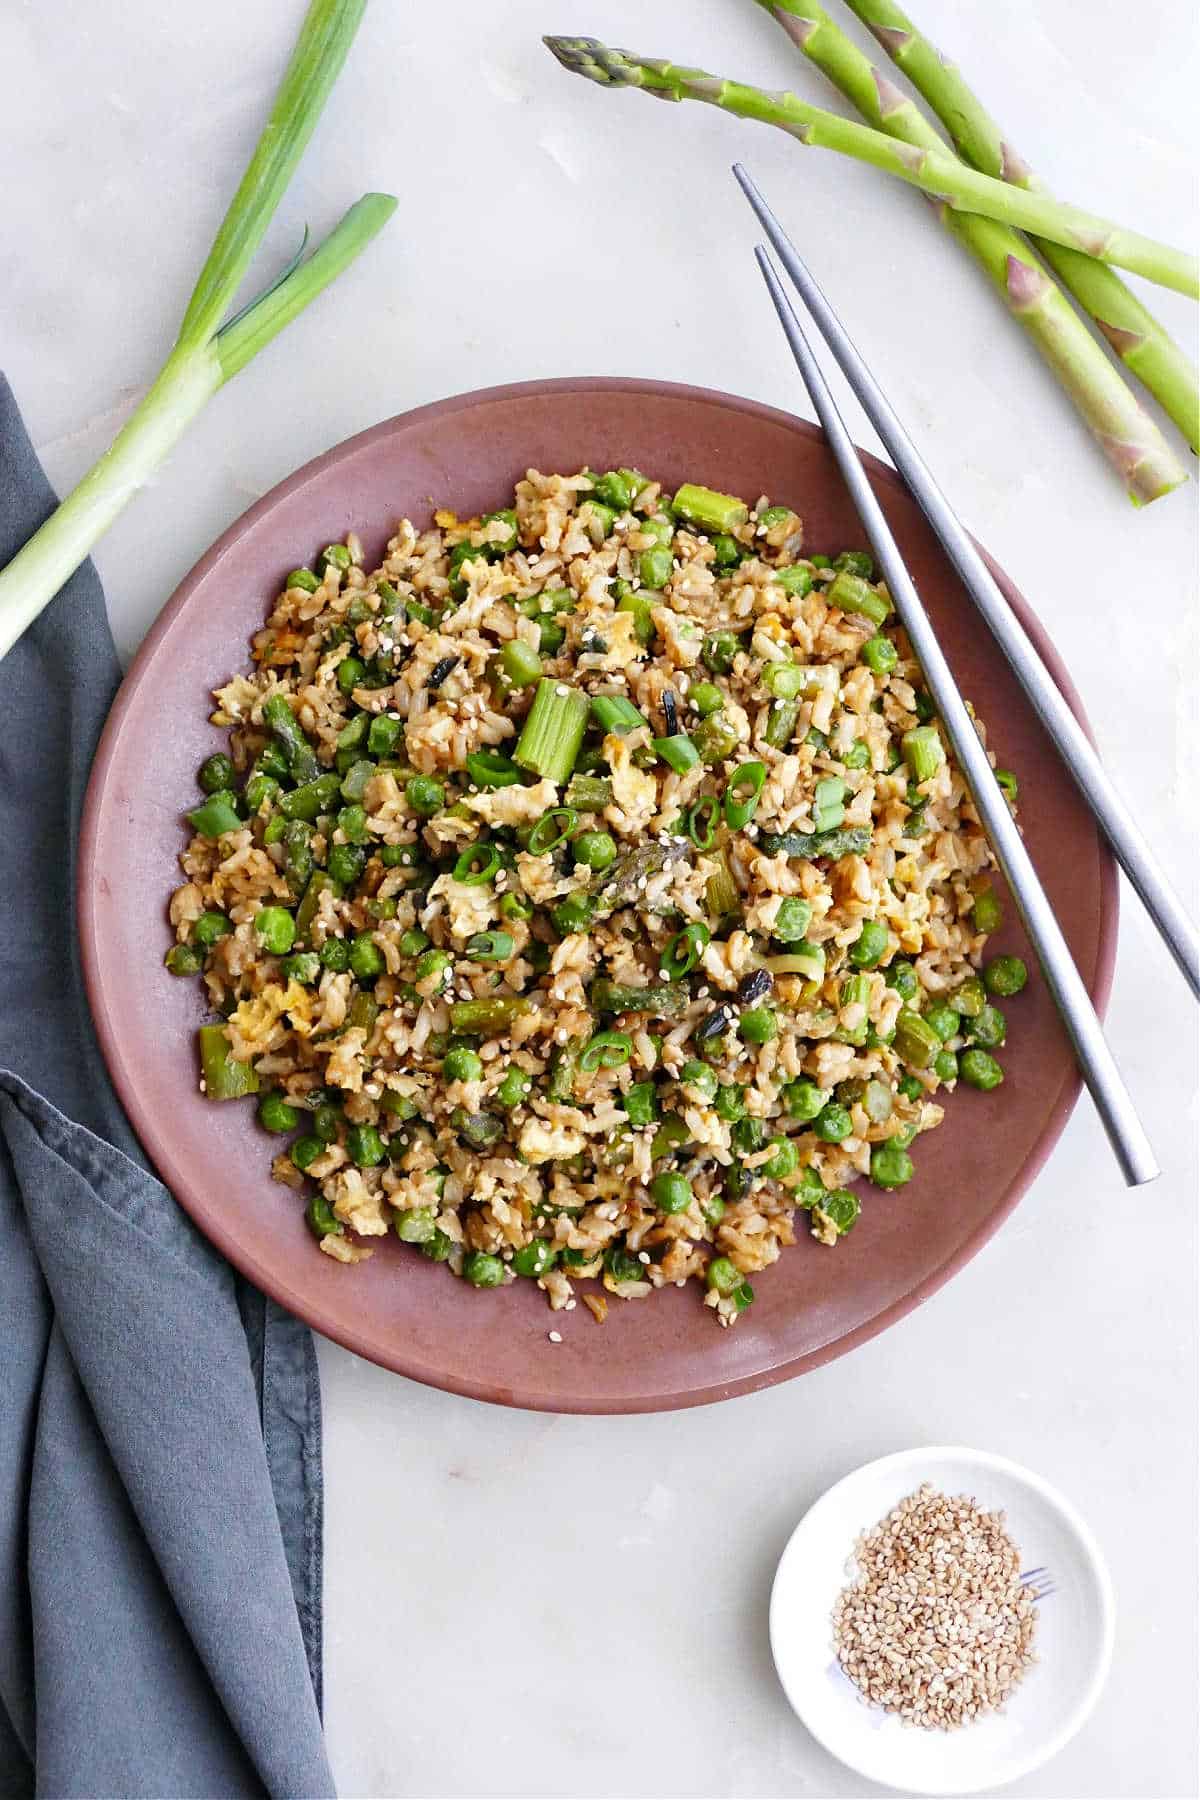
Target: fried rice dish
pixel 587 895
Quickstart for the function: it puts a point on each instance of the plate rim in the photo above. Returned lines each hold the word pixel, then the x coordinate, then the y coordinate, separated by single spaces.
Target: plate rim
pixel 268 1277
pixel 1056 1500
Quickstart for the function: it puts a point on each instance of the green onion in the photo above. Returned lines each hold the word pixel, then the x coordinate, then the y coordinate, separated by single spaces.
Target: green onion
pixel 477 864
pixel 742 792
pixel 607 1050
pixel 678 752
pixel 684 951
pixel 490 946
pixel 206 354
pixel 613 712
pixel 489 769
pixel 701 821
pixel 802 959
pixel 553 731
pixel 923 752
pixel 1009 784
pixel 552 829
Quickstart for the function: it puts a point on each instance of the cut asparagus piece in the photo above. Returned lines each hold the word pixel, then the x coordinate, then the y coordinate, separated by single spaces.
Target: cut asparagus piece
pixel 937 172
pixel 552 733
pixel 853 841
pixel 1143 345
pixel 709 510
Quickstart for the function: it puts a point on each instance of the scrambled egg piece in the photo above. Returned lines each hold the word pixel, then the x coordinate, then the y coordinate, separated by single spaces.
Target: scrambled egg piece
pixel 514 805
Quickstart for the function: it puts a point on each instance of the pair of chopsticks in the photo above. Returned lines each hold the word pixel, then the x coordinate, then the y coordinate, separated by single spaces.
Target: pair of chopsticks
pixel 1100 1072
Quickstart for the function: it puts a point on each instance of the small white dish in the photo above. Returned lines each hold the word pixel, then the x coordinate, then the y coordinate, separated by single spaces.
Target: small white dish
pixel 1074 1639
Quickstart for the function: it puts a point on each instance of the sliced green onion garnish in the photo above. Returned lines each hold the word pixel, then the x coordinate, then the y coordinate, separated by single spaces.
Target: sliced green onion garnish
pixel 684 951
pixel 742 794
pixel 490 946
pixel 489 769
pixel 678 752
pixel 785 679
pixel 613 712
pixel 553 731
pixel 607 1050
pixel 701 821
pixel 552 829
pixel 477 864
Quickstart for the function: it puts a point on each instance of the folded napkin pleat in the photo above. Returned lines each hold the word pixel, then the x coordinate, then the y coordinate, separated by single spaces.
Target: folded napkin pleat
pixel 160 1475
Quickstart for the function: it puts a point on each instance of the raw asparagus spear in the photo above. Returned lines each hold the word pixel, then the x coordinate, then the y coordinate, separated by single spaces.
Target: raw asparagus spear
pixel 1128 436
pixel 935 172
pixel 1134 333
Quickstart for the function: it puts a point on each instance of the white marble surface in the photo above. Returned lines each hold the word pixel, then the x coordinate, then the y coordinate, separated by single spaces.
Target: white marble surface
pixel 531 1605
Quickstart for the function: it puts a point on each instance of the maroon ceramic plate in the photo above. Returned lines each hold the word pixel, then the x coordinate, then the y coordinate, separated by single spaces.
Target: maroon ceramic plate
pixel 398 1309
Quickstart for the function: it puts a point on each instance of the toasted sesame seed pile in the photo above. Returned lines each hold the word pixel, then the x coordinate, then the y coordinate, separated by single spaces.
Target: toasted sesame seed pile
pixel 935 1624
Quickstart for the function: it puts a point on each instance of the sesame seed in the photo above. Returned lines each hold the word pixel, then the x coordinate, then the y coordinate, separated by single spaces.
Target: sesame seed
pixel 643 1256
pixel 555 1337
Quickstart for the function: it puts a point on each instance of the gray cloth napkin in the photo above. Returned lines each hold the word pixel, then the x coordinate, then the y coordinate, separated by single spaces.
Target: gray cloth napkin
pixel 160 1451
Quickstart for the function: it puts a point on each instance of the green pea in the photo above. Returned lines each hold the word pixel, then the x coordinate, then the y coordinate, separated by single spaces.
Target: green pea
pixel 988 1028
pixel 432 966
pixel 416 1224
pixel 209 927
pixel 1004 975
pixel 535 1259
pixel 304 966
pixel 594 849
pixel 987 911
pixel 345 863
pixel 903 978
pixel 351 672
pixel 305 1151
pixel 367 960
pixel 326 1122
pixel 945 1065
pixel 706 698
pixel 880 655
pixel 730 1103
pixel 483 1271
pixel 425 794
pixel 969 998
pixel 784 1160
pixel 701 1079
pixel 749 1135
pixel 216 773
pixel 671 1192
pixel 910 1088
pixel 335 954
pixel 804 1100
pixel 383 734
pixel 183 959
pixel 759 1025
pixel 321 1219
pixel 943 1020
pixel 727 552
pixel 723 1275
pixel 869 945
pixel 365 1146
pixel 352 821
pixel 979 1070
pixel 277 929
pixel 720 648
pixel 833 1123
pixel 513 1088
pixel 461 1064
pixel 655 566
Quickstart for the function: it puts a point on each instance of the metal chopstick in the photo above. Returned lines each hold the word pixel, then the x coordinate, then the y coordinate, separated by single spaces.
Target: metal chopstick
pixel 1110 811
pixel 1096 1062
